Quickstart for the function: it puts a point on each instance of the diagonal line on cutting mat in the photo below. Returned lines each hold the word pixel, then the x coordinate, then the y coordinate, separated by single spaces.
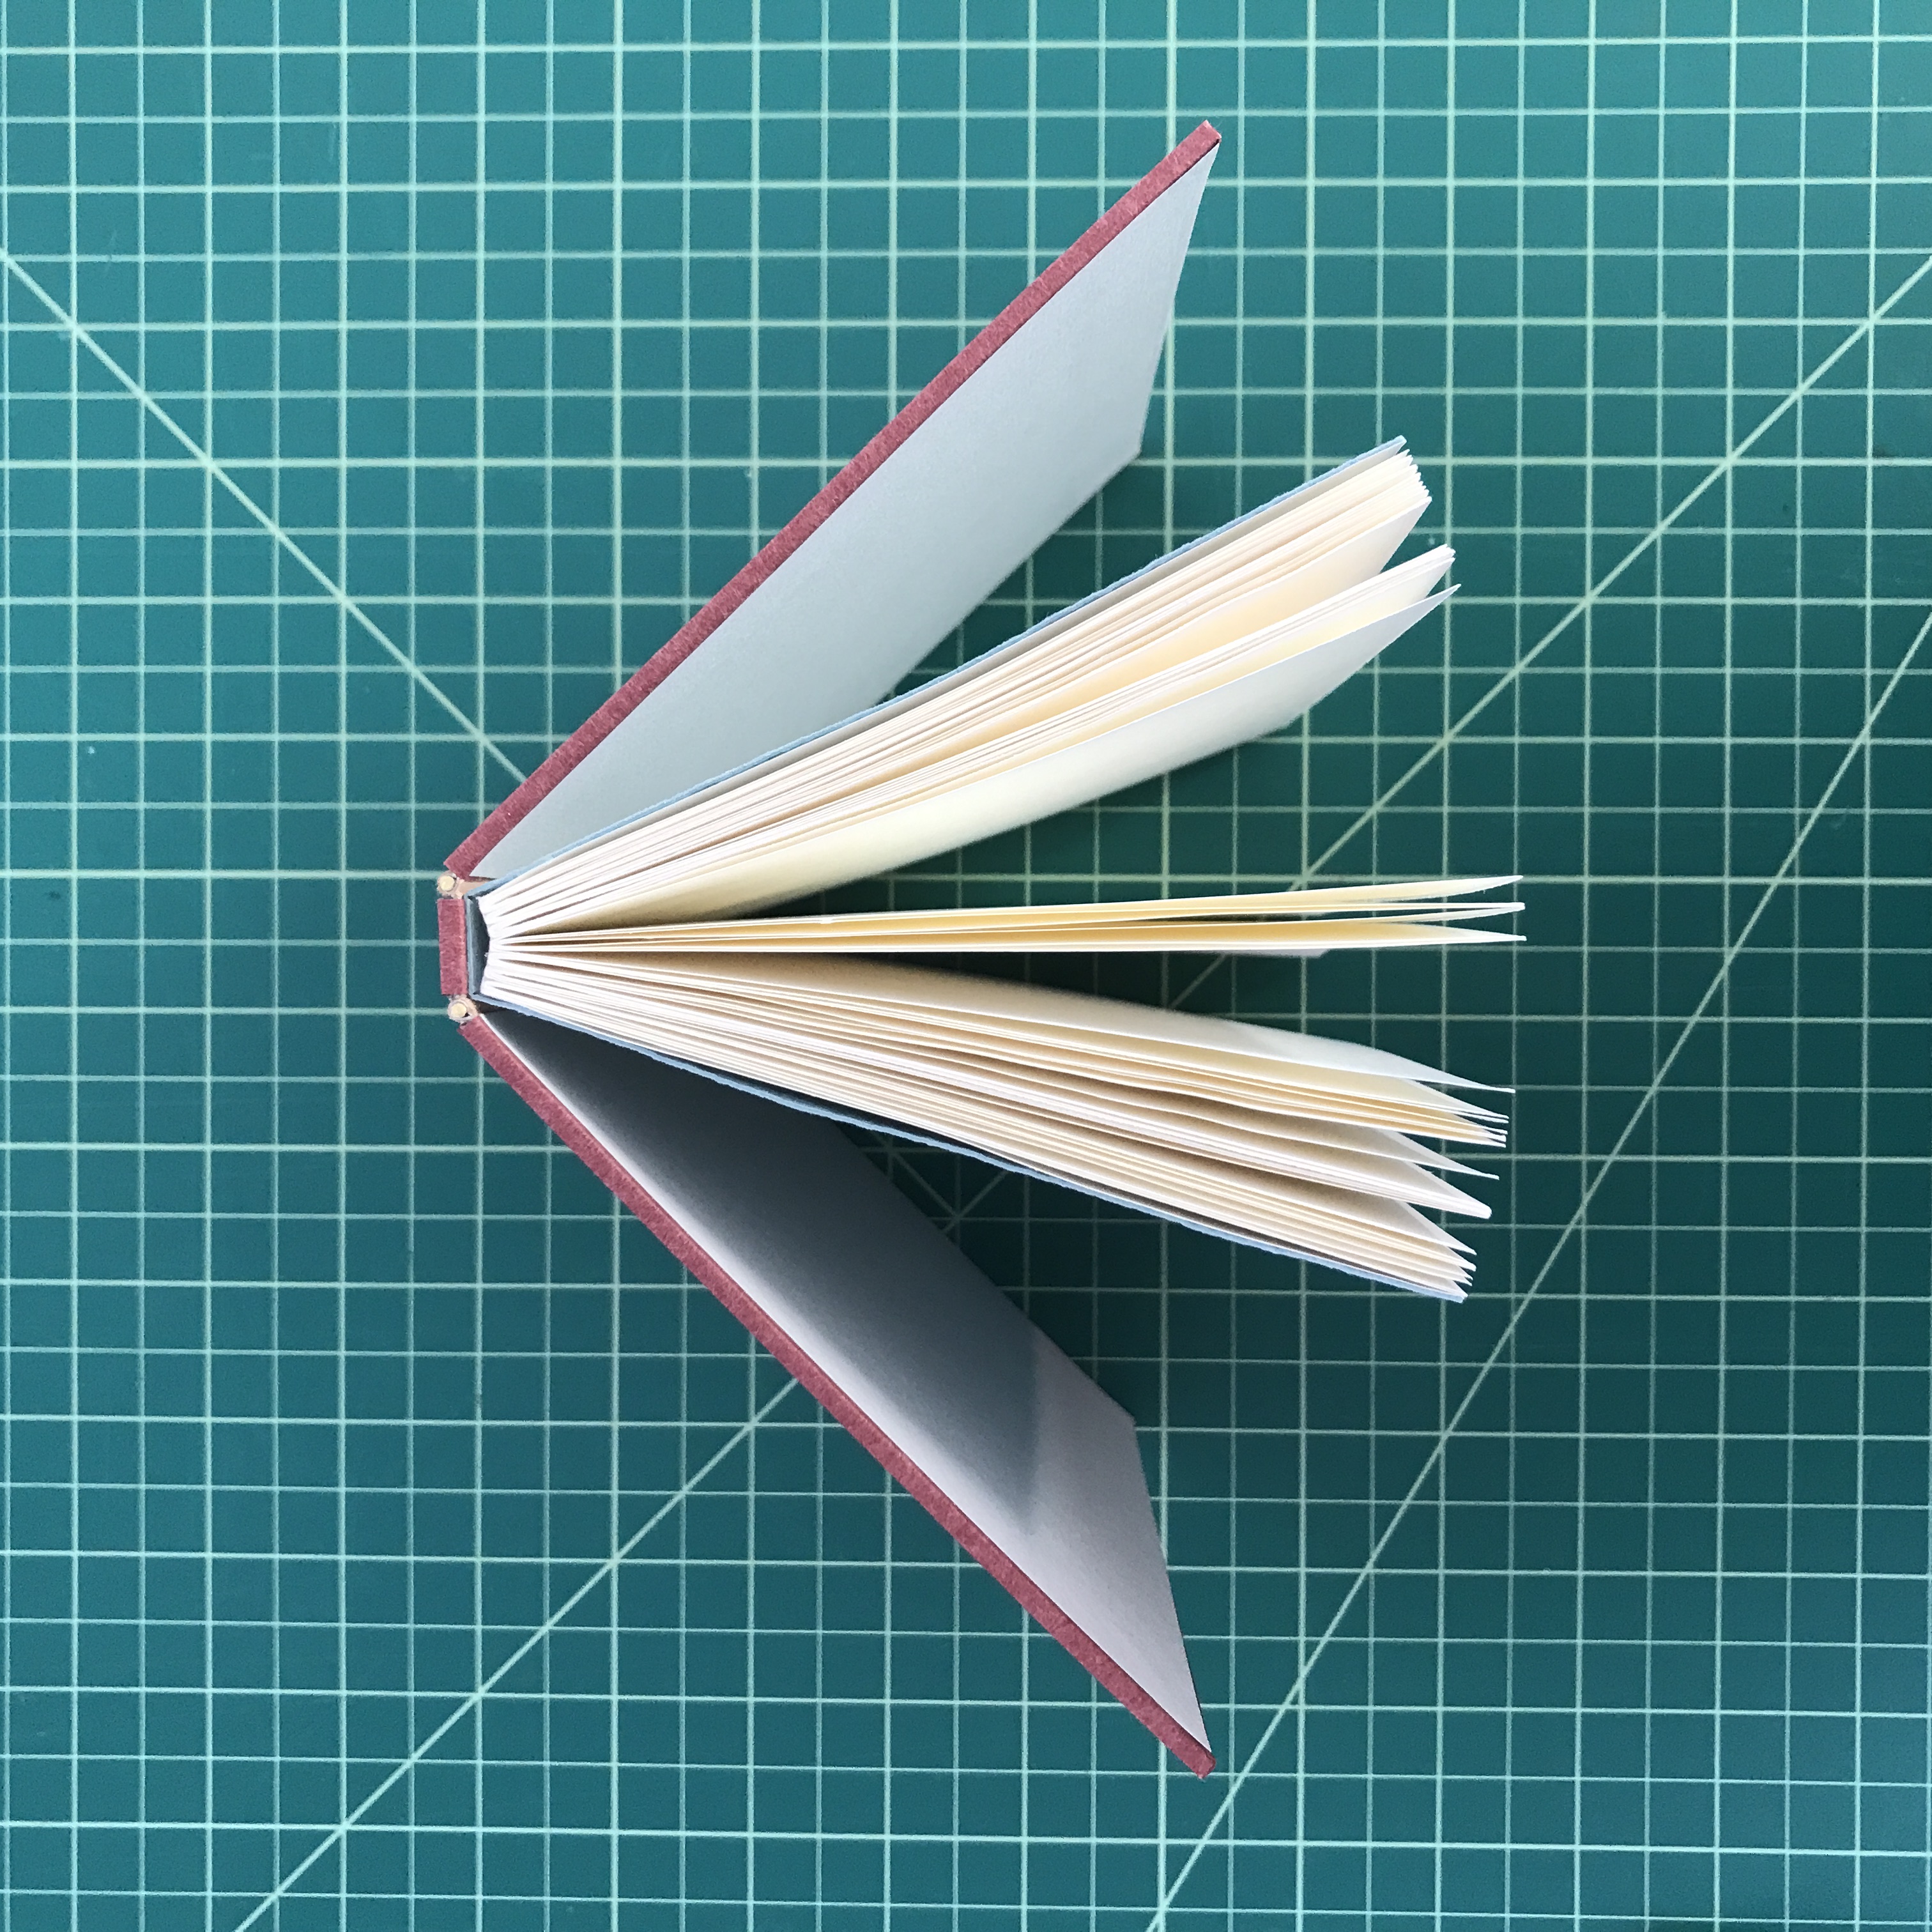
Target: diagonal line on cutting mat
pixel 1298 1689
pixel 337 1833
pixel 1591 597
pixel 1594 595
pixel 339 597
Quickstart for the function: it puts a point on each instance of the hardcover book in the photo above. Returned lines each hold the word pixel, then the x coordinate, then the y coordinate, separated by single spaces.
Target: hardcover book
pixel 622 938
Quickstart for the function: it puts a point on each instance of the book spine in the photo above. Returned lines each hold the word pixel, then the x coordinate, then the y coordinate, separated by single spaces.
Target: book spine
pixel 451 947
pixel 461 936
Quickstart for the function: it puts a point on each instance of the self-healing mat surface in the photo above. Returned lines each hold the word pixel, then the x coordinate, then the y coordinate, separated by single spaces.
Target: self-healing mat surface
pixel 392 1537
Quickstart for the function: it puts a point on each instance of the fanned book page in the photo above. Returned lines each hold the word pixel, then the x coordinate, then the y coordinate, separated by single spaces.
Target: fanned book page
pixel 1233 636
pixel 648 934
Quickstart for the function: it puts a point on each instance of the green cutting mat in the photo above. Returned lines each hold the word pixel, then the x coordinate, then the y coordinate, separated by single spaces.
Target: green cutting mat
pixel 393 1537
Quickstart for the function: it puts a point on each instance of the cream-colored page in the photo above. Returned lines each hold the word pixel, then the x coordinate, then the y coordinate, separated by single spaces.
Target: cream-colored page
pixel 946 809
pixel 1404 901
pixel 1116 596
pixel 1184 617
pixel 1000 1067
pixel 1273 938
pixel 922 992
pixel 1383 1235
pixel 797 860
pixel 928 1088
pixel 1009 679
pixel 1267 941
pixel 951 1101
pixel 1041 700
pixel 1178 623
pixel 715 1040
pixel 1354 522
pixel 945 1053
pixel 596 875
pixel 1205 1059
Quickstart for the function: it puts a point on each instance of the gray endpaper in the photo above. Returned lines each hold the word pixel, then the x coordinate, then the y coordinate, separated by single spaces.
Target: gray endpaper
pixel 1022 1442
pixel 1032 433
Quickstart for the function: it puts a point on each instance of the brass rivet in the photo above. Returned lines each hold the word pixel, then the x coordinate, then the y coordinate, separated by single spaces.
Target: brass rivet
pixel 460 1010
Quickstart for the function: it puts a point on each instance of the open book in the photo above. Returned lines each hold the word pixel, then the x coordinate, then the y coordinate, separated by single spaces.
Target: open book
pixel 612 943
pixel 646 935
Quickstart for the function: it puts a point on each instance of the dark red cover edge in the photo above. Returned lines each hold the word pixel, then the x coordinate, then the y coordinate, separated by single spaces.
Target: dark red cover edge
pixel 663 661
pixel 575 1135
pixel 452 947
